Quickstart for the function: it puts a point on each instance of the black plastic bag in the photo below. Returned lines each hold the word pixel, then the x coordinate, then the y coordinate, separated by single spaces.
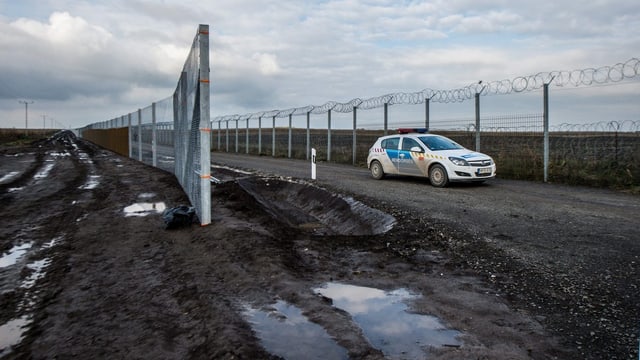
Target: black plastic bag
pixel 179 216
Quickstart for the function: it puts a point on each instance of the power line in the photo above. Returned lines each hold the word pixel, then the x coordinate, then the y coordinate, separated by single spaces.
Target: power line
pixel 26 112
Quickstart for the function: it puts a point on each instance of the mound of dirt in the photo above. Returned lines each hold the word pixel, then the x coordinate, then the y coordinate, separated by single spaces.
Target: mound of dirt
pixel 302 205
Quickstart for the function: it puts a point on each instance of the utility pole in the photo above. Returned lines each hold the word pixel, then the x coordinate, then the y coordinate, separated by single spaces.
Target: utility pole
pixel 44 121
pixel 26 113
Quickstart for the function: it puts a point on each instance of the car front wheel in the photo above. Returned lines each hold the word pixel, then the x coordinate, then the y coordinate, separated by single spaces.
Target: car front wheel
pixel 438 176
pixel 376 170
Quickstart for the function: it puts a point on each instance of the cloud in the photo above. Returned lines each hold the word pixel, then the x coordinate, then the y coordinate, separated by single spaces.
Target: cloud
pixel 67 57
pixel 267 55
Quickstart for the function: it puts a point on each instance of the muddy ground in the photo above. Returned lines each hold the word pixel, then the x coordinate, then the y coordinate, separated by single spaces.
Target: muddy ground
pixel 86 275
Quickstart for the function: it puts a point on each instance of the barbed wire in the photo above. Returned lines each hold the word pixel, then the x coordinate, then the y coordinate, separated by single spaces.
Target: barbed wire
pixel 611 126
pixel 583 77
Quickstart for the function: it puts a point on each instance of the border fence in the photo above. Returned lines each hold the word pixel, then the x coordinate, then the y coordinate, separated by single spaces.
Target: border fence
pixel 173 133
pixel 537 155
pixel 176 133
pixel 605 154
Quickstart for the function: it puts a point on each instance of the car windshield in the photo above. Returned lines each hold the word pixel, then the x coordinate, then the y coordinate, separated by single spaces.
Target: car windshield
pixel 436 143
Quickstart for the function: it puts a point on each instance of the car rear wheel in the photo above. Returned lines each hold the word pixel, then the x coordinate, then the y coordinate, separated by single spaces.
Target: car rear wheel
pixel 376 170
pixel 438 176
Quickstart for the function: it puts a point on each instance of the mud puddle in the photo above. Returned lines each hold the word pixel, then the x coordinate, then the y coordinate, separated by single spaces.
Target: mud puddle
pixel 145 206
pixel 387 321
pixel 384 317
pixel 285 332
pixel 14 254
pixel 12 331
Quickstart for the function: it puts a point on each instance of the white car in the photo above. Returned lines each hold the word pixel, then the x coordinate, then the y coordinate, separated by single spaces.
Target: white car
pixel 414 152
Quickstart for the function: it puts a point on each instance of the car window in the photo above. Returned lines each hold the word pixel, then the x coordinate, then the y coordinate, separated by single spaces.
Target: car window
pixel 390 143
pixel 436 143
pixel 408 143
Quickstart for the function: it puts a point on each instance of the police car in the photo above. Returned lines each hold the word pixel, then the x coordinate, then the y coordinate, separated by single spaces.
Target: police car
pixel 415 152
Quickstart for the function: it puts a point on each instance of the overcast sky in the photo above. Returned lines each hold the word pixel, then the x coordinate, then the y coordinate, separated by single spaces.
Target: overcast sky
pixel 88 61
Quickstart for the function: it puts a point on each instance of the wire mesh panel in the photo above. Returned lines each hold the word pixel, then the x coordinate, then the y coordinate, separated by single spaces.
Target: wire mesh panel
pixel 191 127
pixel 173 133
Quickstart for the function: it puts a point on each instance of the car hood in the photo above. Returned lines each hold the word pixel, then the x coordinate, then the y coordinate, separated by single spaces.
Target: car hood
pixel 464 154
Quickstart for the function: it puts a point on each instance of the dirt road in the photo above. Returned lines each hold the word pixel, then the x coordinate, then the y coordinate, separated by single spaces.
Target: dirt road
pixel 343 267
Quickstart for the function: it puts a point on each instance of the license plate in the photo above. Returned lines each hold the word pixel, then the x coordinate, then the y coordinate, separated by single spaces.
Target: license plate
pixel 484 171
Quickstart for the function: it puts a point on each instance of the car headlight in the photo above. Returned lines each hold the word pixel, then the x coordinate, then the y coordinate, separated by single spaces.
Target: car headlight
pixel 458 161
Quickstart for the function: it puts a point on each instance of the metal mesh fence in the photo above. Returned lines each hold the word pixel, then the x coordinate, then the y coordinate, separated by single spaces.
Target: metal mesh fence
pixel 601 154
pixel 173 133
pixel 524 145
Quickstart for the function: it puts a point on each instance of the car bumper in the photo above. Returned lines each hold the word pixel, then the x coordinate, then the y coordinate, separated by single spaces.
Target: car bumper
pixel 471 173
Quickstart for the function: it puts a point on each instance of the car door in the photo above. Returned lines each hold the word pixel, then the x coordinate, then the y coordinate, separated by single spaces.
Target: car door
pixel 411 162
pixel 390 147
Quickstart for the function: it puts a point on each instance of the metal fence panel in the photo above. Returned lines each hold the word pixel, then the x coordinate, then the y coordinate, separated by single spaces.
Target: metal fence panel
pixel 173 133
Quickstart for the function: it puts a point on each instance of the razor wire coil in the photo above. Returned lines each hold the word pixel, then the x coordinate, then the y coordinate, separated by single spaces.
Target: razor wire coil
pixel 583 77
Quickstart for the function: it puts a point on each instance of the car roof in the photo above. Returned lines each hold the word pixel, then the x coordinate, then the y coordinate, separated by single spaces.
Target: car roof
pixel 407 135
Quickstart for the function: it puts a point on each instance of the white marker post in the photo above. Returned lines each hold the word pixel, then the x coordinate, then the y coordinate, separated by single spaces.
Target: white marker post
pixel 313 163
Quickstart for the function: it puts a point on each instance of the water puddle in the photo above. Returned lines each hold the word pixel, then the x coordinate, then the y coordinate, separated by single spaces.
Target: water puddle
pixel 38 272
pixel 285 332
pixel 15 189
pixel 59 154
pixel 44 172
pixel 144 209
pixel 11 334
pixel 91 183
pixel 84 157
pixel 9 176
pixel 12 331
pixel 14 255
pixel 387 322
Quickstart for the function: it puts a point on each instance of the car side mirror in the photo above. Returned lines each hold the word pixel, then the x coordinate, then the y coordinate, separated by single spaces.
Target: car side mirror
pixel 417 149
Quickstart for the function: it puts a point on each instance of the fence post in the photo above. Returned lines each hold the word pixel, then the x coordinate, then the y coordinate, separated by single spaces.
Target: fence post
pixel 545 125
pixel 426 113
pixel 477 122
pixel 219 135
pixel 204 114
pixel 154 146
pixel 140 135
pixel 246 144
pixel 289 151
pixel 355 123
pixel 130 135
pixel 211 135
pixel 308 133
pixel 386 118
pixel 236 136
pixel 259 135
pixel 226 136
pixel 329 135
pixel 273 136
